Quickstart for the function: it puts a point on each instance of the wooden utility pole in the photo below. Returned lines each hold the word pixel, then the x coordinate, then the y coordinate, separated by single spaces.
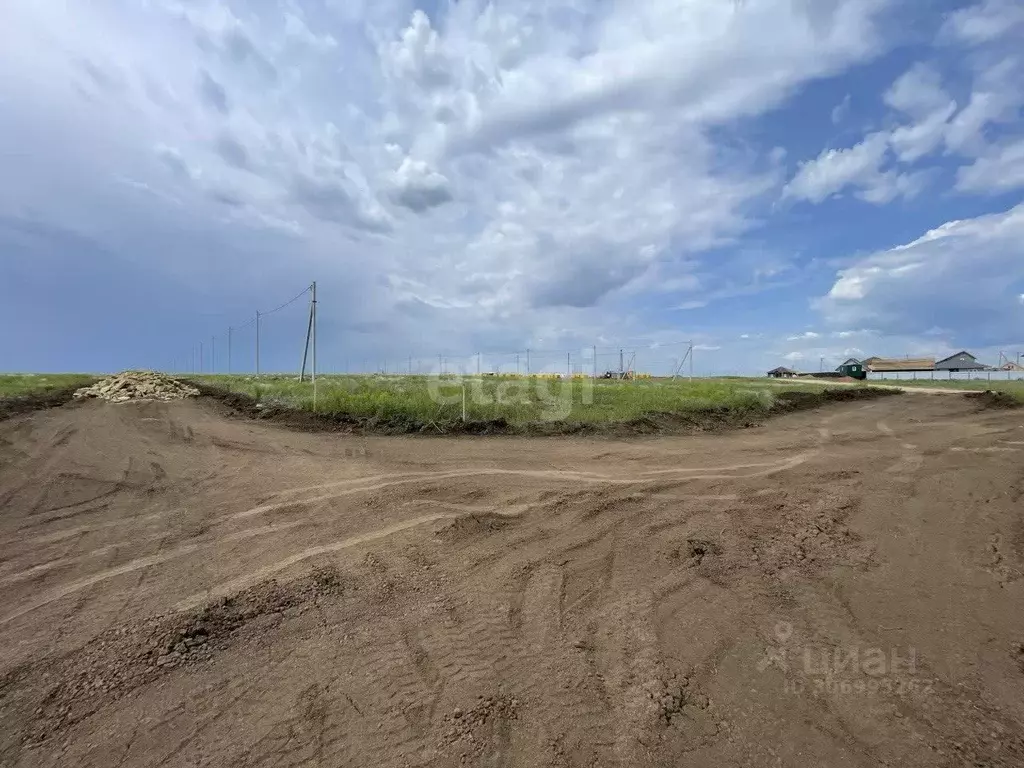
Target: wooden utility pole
pixel 314 346
pixel 309 334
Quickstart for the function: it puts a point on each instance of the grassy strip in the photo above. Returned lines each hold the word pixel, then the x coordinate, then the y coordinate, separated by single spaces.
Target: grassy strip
pixel 517 401
pixel 21 397
pixel 20 384
pixel 516 406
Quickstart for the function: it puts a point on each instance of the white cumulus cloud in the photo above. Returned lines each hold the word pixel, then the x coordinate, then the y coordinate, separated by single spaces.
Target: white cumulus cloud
pixel 960 277
pixel 859 167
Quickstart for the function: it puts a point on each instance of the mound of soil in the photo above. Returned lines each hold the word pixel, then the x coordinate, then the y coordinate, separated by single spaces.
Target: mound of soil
pixel 993 399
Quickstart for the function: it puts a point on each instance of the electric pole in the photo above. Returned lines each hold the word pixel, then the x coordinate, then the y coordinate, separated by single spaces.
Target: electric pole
pixel 314 346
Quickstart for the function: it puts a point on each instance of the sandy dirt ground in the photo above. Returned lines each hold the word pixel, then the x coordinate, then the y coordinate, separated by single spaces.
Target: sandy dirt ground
pixel 837 588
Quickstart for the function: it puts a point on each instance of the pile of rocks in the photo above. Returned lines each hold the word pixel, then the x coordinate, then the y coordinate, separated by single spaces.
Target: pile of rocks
pixel 138 385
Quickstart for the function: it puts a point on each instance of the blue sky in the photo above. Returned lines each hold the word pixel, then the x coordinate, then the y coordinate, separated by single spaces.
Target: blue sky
pixel 779 180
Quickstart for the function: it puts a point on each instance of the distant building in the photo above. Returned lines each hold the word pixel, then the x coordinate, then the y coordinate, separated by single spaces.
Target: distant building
pixel 899 364
pixel 961 361
pixel 782 373
pixel 853 368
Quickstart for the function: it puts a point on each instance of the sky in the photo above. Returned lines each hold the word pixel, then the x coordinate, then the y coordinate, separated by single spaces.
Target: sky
pixel 779 182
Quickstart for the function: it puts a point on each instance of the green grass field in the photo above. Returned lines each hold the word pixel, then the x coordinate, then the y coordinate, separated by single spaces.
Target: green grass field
pixel 517 400
pixel 15 384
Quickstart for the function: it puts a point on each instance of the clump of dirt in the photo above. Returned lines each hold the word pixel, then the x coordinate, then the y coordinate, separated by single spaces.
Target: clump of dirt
pixel 698 549
pixel 138 385
pixel 125 658
pixel 478 730
pixel 467 526
pixel 678 698
pixel 691 552
pixel 995 400
pixel 809 534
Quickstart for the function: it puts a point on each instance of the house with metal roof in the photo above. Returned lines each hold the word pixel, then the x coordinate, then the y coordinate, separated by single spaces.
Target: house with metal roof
pixel 782 373
pixel 899 364
pixel 961 361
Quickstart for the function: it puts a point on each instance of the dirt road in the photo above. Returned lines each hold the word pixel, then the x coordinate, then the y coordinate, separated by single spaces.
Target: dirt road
pixel 839 588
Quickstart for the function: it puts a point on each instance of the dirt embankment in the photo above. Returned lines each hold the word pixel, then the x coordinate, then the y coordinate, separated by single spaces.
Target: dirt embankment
pixel 709 419
pixel 35 401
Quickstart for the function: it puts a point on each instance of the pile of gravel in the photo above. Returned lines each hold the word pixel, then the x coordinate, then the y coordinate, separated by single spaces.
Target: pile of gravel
pixel 138 385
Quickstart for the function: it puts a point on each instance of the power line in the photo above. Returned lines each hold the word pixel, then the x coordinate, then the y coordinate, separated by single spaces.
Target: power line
pixel 289 302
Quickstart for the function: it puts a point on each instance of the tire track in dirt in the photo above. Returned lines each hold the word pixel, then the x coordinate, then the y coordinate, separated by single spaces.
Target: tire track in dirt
pixel 454 511
pixel 134 565
pixel 692 473
pixel 558 678
pixel 689 473
pixel 35 570
pixel 240 583
pixel 49 538
pixel 906 467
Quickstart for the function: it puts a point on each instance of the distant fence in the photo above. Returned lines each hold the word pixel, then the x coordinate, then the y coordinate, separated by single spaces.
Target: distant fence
pixel 947 375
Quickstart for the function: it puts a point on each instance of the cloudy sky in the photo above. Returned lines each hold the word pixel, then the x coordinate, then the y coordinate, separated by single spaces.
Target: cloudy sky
pixel 778 180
